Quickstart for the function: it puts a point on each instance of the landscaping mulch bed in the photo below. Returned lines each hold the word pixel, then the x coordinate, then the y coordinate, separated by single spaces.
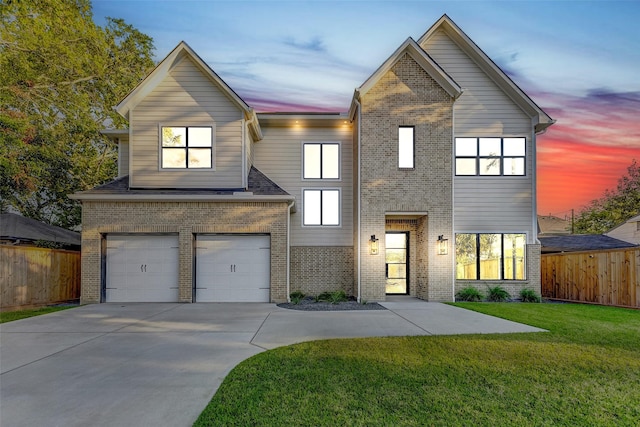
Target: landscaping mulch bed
pixel 310 304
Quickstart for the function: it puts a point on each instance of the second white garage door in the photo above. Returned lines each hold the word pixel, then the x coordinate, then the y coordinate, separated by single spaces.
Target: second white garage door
pixel 233 268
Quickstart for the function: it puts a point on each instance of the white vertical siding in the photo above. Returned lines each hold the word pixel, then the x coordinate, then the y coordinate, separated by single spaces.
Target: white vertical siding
pixel 491 204
pixel 123 157
pixel 186 97
pixel 279 156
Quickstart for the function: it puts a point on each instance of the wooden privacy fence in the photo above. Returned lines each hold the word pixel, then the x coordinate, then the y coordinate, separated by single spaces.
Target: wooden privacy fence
pixel 609 277
pixel 32 276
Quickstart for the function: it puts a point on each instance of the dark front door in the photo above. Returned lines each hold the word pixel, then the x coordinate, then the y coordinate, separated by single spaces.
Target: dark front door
pixel 397 260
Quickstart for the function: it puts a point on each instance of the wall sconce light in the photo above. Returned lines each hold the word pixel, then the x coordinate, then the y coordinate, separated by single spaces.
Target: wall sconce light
pixel 443 245
pixel 373 245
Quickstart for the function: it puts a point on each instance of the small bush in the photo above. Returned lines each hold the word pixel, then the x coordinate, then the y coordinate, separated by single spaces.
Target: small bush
pixel 497 294
pixel 337 296
pixel 296 297
pixel 469 294
pixel 528 295
pixel 323 297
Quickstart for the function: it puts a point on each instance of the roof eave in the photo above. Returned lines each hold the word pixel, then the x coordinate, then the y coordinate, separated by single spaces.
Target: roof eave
pixel 491 69
pixel 423 59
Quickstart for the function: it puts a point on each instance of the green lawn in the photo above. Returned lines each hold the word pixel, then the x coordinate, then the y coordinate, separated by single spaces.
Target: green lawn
pixel 10 316
pixel 585 371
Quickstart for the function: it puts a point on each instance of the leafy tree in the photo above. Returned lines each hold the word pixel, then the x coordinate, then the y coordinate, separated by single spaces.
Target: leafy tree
pixel 614 207
pixel 60 76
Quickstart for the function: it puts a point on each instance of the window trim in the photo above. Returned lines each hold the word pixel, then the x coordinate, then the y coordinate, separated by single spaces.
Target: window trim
pixel 413 147
pixel 502 259
pixel 321 143
pixel 212 126
pixel 478 157
pixel 321 225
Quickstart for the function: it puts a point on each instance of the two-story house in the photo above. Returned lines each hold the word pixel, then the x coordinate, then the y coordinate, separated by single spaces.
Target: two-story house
pixel 427 185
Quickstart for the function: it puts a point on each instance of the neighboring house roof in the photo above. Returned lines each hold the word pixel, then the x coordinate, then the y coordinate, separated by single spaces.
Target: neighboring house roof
pixel 258 186
pixel 491 69
pixel 422 58
pixel 165 66
pixel 581 242
pixel 548 224
pixel 634 219
pixel 18 227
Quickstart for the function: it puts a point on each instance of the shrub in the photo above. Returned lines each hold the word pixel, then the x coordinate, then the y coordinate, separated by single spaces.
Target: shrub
pixel 529 295
pixel 497 294
pixel 337 296
pixel 325 296
pixel 296 297
pixel 469 294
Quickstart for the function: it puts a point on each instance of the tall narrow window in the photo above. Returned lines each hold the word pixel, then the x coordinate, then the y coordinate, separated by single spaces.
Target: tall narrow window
pixel 321 207
pixel 406 147
pixel 187 147
pixel 321 160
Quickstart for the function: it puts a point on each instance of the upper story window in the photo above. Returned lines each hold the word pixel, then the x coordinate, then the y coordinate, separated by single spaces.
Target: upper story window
pixel 187 147
pixel 321 206
pixel 490 156
pixel 406 147
pixel 321 160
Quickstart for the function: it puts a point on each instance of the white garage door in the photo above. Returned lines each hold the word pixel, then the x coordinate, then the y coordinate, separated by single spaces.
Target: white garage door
pixel 142 268
pixel 233 268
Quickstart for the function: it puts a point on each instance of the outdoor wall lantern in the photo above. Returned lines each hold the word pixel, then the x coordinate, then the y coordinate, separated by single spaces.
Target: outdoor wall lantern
pixel 373 245
pixel 443 245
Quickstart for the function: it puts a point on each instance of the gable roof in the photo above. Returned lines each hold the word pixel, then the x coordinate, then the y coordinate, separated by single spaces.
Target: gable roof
pixel 581 242
pixel 422 58
pixel 164 67
pixel 630 220
pixel 18 227
pixel 543 120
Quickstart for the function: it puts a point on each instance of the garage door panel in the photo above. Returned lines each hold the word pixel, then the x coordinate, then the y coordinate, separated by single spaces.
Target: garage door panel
pixel 142 268
pixel 233 268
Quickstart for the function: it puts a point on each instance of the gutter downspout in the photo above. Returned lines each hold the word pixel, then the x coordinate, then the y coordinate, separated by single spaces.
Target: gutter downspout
pixel 289 250
pixel 355 98
pixel 245 183
pixel 534 183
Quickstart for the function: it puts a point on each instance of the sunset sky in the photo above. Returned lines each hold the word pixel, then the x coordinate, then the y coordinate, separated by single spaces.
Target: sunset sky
pixel 578 60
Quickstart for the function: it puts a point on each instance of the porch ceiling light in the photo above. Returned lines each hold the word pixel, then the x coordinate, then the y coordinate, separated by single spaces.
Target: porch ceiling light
pixel 373 245
pixel 443 245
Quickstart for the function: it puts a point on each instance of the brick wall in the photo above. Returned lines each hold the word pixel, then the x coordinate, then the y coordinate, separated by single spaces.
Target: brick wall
pixel 407 95
pixel 184 219
pixel 316 269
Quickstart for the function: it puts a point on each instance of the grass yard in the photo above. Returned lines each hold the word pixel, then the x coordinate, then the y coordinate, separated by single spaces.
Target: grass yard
pixel 585 371
pixel 10 316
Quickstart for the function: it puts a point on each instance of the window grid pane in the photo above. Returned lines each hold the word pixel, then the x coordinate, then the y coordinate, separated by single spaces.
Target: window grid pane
pixel 490 156
pixel 312 160
pixel 466 256
pixel 330 207
pixel 330 161
pixel 312 205
pixel 187 147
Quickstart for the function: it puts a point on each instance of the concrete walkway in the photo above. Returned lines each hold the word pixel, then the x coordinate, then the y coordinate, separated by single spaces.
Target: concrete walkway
pixel 160 364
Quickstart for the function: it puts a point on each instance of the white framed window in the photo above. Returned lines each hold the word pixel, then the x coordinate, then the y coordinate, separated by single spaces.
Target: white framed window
pixel 490 156
pixel 186 147
pixel 321 207
pixel 321 160
pixel 406 147
pixel 491 256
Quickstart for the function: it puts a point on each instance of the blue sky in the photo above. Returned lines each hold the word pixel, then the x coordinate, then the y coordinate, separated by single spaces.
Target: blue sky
pixel 579 60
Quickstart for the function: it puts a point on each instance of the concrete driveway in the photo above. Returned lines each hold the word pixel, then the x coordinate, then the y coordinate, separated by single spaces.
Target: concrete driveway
pixel 160 364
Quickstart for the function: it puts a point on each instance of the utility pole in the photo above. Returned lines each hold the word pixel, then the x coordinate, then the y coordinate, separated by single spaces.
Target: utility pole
pixel 572 217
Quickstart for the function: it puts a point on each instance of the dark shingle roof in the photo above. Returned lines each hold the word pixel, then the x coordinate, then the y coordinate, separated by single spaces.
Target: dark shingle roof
pixel 18 227
pixel 580 242
pixel 259 185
